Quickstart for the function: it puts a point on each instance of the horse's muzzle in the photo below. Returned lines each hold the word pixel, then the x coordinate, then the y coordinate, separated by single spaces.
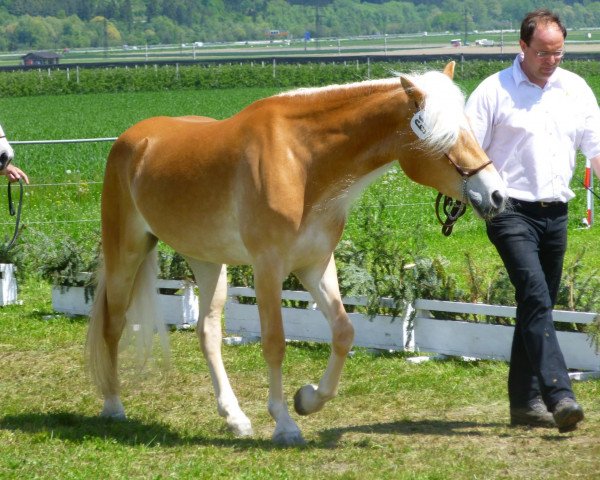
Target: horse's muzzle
pixel 4 160
pixel 494 205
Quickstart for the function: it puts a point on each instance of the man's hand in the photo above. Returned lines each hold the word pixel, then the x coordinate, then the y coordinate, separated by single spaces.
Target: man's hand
pixel 14 173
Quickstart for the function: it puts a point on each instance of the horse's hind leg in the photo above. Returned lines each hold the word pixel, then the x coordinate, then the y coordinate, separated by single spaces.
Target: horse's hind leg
pixel 212 287
pixel 323 286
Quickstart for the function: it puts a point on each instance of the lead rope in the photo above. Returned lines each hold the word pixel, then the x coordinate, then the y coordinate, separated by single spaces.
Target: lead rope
pixel 11 211
pixel 453 209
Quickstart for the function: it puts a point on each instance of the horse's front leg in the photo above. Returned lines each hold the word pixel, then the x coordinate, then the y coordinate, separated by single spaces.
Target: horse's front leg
pixel 212 287
pixel 268 280
pixel 323 286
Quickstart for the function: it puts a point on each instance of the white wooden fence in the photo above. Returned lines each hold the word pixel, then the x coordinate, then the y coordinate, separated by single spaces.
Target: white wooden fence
pixel 178 307
pixel 483 340
pixel 383 332
pixel 446 337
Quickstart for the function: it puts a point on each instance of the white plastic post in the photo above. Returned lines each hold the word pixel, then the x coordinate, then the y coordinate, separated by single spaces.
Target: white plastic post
pixel 588 184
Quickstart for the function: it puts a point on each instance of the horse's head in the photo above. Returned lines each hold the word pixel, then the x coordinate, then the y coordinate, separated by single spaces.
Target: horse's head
pixel 445 154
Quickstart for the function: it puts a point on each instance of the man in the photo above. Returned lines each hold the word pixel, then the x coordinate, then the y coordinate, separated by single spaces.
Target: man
pixel 531 118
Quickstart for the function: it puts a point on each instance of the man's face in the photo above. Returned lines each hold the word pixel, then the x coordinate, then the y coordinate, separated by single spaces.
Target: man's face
pixel 543 54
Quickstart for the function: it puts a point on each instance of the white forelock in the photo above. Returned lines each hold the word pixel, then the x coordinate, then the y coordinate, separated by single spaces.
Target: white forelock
pixel 443 112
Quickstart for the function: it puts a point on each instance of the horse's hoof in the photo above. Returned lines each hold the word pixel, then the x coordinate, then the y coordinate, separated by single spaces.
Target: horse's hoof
pixel 288 439
pixel 241 429
pixel 113 409
pixel 306 400
pixel 117 416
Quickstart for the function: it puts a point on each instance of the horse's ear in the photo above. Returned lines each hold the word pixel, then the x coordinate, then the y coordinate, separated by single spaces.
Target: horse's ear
pixel 449 69
pixel 412 91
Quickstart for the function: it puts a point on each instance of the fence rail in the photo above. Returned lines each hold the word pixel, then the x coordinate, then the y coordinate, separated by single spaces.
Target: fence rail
pixel 427 334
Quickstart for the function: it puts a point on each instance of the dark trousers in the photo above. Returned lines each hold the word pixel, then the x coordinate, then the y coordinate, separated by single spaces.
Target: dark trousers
pixel 531 239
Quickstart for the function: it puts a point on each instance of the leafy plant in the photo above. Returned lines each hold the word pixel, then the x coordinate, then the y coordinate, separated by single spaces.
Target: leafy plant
pixel 13 254
pixel 378 264
pixel 580 288
pixel 70 264
pixel 172 265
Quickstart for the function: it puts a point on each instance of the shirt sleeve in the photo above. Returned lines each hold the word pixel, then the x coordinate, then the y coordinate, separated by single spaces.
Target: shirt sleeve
pixel 590 140
pixel 480 114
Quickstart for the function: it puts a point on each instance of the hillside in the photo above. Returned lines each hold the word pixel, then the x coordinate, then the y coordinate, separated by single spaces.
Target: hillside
pixel 59 24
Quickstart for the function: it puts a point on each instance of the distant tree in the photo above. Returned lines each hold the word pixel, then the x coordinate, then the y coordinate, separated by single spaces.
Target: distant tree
pixel 29 32
pixel 108 9
pixel 105 31
pixel 166 30
pixel 126 13
pixel 84 9
pixel 312 3
pixel 152 9
pixel 75 33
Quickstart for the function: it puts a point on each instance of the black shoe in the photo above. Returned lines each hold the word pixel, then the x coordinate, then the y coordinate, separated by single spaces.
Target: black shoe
pixel 535 414
pixel 567 414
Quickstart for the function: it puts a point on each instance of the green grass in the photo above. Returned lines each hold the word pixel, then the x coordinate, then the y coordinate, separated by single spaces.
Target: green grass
pixel 391 420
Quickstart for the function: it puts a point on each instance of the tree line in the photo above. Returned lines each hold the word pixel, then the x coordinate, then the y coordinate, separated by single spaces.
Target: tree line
pixel 58 24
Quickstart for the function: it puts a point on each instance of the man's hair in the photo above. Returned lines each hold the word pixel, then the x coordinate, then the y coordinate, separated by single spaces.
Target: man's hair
pixel 542 16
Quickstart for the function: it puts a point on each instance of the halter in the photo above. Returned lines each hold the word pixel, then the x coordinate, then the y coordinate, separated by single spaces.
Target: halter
pixel 454 209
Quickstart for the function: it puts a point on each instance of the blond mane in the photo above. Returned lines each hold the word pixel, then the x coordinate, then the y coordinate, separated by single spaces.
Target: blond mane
pixel 443 111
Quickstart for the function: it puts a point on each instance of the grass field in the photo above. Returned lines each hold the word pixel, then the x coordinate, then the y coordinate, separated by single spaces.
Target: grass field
pixel 391 420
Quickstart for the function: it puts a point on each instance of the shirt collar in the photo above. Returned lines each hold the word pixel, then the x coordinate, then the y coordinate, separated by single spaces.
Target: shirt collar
pixel 520 77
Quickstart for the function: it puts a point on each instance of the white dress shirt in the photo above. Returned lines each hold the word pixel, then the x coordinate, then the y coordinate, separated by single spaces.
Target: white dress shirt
pixel 532 133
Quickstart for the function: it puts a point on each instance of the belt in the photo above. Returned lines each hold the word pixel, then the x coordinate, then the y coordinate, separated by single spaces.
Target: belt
pixel 538 205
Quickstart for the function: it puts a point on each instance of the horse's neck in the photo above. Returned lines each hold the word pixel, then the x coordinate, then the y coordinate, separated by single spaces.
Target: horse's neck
pixel 351 138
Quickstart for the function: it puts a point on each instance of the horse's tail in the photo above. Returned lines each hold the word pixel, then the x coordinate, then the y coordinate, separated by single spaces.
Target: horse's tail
pixel 142 321
pixel 100 363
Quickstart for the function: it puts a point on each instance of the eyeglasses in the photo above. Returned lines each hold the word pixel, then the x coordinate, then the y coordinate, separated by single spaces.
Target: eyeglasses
pixel 544 55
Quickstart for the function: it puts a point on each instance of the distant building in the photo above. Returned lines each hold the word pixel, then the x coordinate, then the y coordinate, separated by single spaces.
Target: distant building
pixel 40 58
pixel 275 34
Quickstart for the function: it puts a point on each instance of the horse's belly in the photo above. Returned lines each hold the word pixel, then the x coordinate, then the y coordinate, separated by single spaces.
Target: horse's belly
pixel 314 245
pixel 203 241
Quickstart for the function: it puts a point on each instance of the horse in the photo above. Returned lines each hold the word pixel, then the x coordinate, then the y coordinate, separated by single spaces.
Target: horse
pixel 270 186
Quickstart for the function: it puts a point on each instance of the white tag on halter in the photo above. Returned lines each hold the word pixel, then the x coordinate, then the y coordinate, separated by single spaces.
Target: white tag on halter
pixel 418 125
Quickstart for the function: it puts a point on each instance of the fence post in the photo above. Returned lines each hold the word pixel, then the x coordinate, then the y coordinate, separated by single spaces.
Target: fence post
pixel 588 184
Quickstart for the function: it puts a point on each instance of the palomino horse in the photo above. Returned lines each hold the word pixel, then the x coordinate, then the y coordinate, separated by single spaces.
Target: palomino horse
pixel 270 187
